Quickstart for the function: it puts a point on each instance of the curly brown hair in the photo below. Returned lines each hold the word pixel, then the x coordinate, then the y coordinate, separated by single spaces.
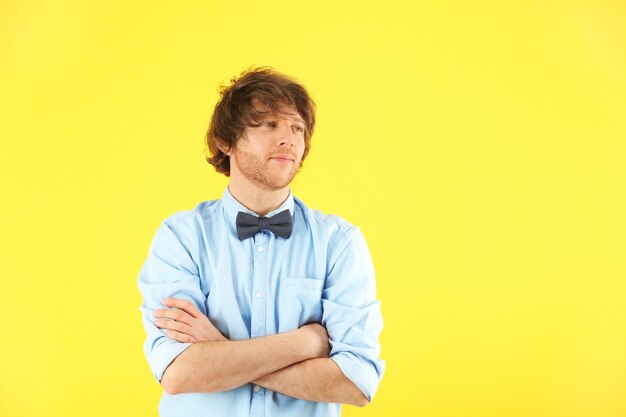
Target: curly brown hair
pixel 235 110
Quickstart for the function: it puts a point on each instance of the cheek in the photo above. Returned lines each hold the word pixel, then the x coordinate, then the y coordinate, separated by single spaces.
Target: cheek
pixel 300 148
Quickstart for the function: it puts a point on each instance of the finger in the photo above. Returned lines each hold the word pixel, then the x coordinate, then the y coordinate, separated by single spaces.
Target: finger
pixel 173 325
pixel 184 305
pixel 181 337
pixel 177 315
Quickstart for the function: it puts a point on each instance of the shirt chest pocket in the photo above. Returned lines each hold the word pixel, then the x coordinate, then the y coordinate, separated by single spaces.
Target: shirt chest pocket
pixel 299 302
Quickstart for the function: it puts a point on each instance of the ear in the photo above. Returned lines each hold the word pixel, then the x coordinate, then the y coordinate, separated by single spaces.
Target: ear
pixel 225 149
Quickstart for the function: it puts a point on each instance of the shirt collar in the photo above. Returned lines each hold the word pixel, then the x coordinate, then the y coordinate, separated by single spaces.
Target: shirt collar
pixel 232 206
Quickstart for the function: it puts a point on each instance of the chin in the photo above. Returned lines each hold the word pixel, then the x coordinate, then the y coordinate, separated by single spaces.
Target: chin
pixel 271 185
pixel 279 185
pixel 275 182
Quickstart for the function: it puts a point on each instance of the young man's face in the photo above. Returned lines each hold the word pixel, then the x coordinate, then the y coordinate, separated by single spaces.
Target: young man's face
pixel 270 155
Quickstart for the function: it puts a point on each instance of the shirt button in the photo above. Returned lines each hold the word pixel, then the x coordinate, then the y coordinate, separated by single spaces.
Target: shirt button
pixel 258 295
pixel 260 249
pixel 257 388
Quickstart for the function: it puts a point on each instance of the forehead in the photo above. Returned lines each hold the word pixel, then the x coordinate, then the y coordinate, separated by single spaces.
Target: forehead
pixel 289 112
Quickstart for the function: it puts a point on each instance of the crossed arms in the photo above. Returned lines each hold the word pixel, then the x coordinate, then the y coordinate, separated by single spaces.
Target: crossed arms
pixel 193 356
pixel 295 363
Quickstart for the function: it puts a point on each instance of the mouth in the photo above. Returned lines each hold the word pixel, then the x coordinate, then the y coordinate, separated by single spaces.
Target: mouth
pixel 283 158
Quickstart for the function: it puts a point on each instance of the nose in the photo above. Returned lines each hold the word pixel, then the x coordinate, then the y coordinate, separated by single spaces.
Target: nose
pixel 285 134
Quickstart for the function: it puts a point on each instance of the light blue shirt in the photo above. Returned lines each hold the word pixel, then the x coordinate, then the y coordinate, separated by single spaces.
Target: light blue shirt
pixel 262 286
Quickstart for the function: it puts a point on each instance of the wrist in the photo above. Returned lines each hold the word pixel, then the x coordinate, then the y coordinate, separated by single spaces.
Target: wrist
pixel 301 345
pixel 309 343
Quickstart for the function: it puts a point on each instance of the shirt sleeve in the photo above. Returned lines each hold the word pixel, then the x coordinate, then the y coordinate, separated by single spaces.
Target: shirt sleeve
pixel 351 313
pixel 169 271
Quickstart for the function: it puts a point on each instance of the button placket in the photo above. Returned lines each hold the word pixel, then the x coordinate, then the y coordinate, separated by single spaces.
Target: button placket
pixel 257 324
pixel 258 311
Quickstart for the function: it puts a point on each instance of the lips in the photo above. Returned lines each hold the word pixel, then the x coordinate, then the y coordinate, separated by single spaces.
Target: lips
pixel 283 158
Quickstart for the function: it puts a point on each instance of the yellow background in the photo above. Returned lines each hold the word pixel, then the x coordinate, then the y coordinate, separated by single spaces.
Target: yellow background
pixel 480 146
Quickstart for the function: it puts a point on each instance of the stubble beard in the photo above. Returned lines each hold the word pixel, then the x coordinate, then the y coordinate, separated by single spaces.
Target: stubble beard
pixel 255 170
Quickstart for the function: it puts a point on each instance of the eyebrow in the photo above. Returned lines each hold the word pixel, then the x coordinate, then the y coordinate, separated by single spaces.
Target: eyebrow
pixel 293 116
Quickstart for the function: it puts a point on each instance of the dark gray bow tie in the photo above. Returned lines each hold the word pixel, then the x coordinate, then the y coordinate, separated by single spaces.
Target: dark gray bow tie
pixel 249 225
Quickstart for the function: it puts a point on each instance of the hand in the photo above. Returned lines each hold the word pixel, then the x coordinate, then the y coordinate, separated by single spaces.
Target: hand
pixel 316 337
pixel 186 323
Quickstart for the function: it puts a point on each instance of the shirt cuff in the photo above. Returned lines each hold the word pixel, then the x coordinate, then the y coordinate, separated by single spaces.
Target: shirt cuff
pixel 361 374
pixel 163 354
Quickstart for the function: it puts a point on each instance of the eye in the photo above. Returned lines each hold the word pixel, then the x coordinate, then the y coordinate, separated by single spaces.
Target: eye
pixel 270 124
pixel 298 129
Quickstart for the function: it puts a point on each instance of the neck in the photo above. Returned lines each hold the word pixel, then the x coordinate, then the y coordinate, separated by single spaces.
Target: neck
pixel 255 199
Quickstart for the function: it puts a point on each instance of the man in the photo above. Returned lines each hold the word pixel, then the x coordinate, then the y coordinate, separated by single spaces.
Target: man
pixel 255 304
